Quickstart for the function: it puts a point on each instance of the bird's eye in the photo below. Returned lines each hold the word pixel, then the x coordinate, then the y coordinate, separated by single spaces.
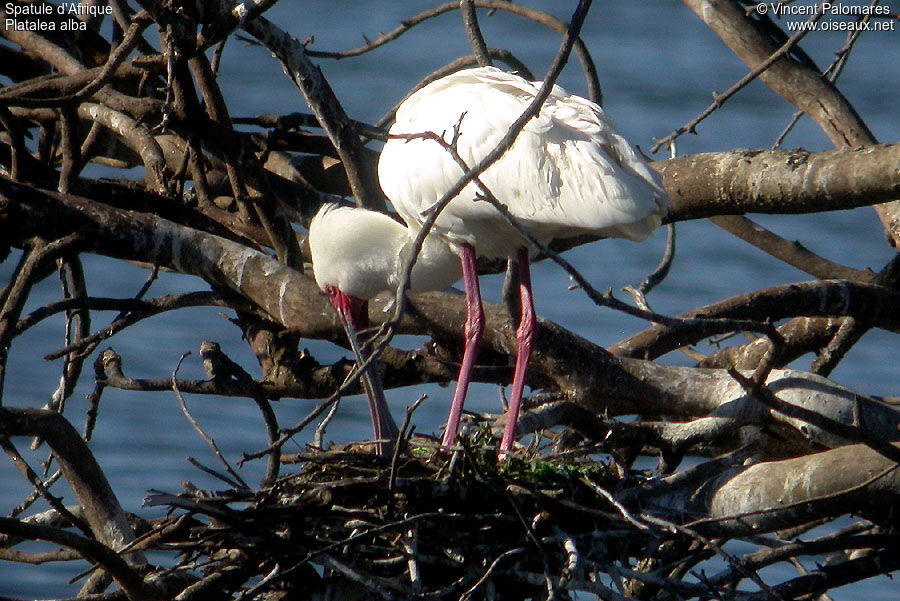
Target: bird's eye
pixel 330 290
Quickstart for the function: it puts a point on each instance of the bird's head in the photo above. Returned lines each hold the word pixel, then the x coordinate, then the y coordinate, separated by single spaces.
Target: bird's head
pixel 349 308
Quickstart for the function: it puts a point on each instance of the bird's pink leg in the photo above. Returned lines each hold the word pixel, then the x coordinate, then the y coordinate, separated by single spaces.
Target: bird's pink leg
pixel 473 332
pixel 524 340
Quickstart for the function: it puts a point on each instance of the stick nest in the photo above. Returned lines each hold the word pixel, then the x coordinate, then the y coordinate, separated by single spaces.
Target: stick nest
pixel 425 524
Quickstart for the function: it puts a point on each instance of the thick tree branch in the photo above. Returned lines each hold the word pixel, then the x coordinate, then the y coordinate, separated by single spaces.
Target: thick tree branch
pixel 782 182
pixel 798 84
pixel 98 502
pixel 126 576
pixel 585 372
pixel 788 493
pixel 321 99
pixel 872 304
pixel 792 253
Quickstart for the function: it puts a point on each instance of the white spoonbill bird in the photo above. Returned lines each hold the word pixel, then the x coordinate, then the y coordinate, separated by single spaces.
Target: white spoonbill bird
pixel 568 173
pixel 355 254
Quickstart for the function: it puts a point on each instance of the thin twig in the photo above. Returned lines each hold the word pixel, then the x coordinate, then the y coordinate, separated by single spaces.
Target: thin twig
pixel 720 99
pixel 473 32
pixel 399 443
pixel 831 73
pixel 732 561
pixel 615 503
pixel 199 430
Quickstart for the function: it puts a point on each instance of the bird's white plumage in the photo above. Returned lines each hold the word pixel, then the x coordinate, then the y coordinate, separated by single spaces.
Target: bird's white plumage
pixel 568 172
pixel 357 251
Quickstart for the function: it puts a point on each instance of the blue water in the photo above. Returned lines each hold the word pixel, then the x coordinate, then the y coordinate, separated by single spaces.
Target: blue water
pixel 658 65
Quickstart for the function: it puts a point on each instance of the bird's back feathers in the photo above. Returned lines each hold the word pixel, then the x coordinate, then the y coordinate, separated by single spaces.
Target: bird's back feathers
pixel 569 172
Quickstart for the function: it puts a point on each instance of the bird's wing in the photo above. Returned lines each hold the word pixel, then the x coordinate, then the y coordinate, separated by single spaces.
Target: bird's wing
pixel 568 171
pixel 577 173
